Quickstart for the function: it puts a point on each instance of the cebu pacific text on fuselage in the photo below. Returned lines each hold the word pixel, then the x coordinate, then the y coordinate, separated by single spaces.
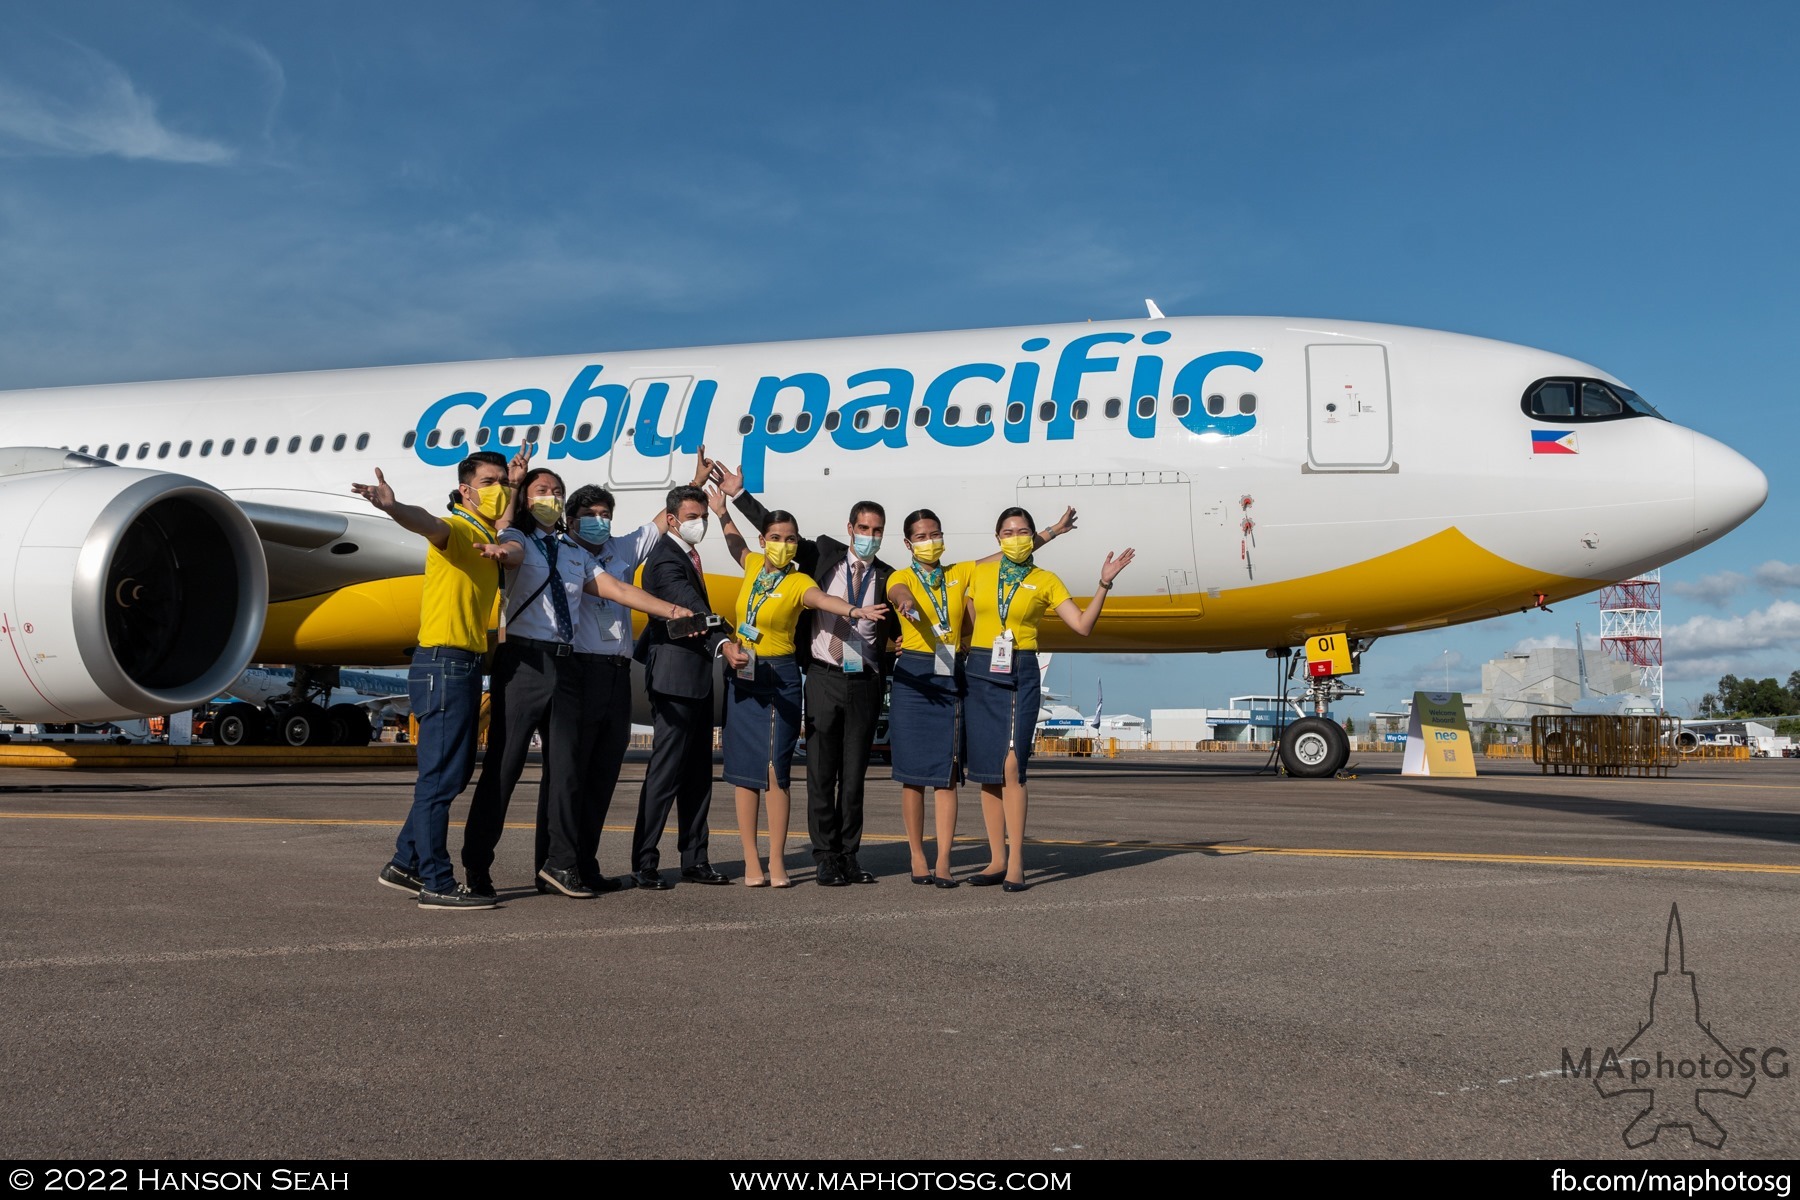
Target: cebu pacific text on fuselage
pixel 601 408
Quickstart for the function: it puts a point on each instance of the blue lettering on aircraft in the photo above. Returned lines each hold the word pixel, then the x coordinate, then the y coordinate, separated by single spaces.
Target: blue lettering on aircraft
pixel 870 408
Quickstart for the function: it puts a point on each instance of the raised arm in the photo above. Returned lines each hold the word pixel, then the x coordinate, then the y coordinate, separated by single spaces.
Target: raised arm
pixel 901 597
pixel 817 598
pixel 516 470
pixel 409 517
pixel 1043 537
pixel 666 579
pixel 734 541
pixel 1082 621
pixel 631 596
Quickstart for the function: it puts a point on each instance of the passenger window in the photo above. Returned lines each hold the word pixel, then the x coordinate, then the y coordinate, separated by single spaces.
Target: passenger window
pixel 862 419
pixel 832 421
pixel 83 450
pixel 337 443
pixel 227 447
pixel 774 422
pixel 1047 411
pixel 457 439
pixel 892 419
pixel 294 444
pixel 1215 404
pixel 582 433
pixel 531 435
pixel 123 452
pixel 921 417
pixel 953 414
pixel 101 453
pixel 249 445
pixel 506 436
pixel 162 451
pixel 186 449
pixel 803 422
pixel 1080 410
pixel 1015 413
pixel 1555 398
pixel 1181 405
pixel 1246 403
pixel 362 441
pixel 318 443
pixel 433 438
pixel 412 436
pixel 984 415
pixel 746 425
pixel 558 432
pixel 1597 401
pixel 273 444
pixel 1146 406
pixel 1114 407
pixel 206 449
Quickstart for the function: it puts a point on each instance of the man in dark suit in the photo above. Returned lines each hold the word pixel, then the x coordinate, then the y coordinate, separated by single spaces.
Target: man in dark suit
pixel 679 674
pixel 846 665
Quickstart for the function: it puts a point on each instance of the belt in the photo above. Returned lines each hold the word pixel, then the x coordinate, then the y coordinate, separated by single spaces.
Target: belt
pixel 455 653
pixel 619 659
pixel 821 665
pixel 554 649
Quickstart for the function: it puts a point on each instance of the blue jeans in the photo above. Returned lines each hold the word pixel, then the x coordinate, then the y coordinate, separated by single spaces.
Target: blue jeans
pixel 444 685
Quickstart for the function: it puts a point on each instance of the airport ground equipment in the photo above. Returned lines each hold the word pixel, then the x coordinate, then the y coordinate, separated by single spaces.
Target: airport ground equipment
pixel 1607 745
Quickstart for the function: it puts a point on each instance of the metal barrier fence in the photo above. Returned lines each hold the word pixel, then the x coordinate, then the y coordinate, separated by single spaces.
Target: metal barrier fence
pixel 1719 753
pixel 1583 744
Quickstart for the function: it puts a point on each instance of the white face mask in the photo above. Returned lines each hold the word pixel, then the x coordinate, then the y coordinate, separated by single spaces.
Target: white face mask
pixel 692 532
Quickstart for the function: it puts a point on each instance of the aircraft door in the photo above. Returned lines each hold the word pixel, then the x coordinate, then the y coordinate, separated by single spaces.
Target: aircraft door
pixel 1349 422
pixel 1151 510
pixel 643 454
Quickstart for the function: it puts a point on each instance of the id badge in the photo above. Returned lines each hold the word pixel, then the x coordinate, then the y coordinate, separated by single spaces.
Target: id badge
pixel 943 659
pixel 942 630
pixel 750 633
pixel 747 672
pixel 1002 660
pixel 853 660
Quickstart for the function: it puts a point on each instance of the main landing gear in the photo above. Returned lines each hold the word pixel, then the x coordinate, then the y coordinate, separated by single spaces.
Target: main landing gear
pixel 300 718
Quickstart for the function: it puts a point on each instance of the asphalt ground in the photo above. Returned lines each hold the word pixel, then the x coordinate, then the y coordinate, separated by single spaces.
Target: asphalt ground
pixel 1210 963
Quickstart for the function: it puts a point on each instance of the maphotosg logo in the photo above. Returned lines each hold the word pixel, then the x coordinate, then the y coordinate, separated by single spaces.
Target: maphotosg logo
pixel 1675 1065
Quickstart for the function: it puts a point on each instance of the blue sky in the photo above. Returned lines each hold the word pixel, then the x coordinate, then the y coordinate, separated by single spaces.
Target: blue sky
pixel 195 189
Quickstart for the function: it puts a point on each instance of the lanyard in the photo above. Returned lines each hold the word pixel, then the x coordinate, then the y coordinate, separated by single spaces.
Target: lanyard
pixel 458 511
pixel 1004 602
pixel 941 607
pixel 760 595
pixel 862 593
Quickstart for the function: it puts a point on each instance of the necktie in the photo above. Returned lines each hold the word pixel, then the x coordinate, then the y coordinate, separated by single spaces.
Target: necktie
pixel 559 598
pixel 698 569
pixel 848 626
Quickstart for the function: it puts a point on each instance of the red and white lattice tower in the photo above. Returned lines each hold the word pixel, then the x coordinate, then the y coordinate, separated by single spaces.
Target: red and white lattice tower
pixel 1631 629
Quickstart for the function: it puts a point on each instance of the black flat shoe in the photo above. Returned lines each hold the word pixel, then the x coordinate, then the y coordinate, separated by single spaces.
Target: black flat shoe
pixel 922 879
pixel 987 880
pixel 1010 886
pixel 943 883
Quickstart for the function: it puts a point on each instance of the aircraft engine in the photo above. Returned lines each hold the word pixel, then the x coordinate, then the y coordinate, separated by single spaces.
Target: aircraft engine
pixel 1686 741
pixel 122 592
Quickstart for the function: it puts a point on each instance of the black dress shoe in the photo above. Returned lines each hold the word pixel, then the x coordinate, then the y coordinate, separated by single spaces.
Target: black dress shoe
pixel 943 883
pixel 853 871
pixel 602 885
pixel 987 880
pixel 704 874
pixel 921 878
pixel 1010 886
pixel 481 885
pixel 651 880
pixel 831 873
pixel 567 882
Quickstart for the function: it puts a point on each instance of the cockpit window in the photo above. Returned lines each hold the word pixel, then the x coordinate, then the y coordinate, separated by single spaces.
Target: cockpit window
pixel 1570 400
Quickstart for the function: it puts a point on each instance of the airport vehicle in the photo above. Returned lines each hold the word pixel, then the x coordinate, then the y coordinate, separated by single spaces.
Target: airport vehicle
pixel 309 706
pixel 1280 478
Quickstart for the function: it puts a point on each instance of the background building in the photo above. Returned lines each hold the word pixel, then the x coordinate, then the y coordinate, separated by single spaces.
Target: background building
pixel 1521 686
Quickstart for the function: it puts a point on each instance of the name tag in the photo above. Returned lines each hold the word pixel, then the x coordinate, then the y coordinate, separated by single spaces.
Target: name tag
pixel 1001 664
pixel 853 660
pixel 750 633
pixel 747 672
pixel 943 659
pixel 942 631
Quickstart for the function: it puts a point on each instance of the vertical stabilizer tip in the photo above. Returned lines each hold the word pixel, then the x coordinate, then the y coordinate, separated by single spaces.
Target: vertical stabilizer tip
pixel 1156 314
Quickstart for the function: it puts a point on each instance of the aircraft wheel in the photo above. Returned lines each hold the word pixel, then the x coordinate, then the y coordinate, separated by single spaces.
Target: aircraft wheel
pixel 350 725
pixel 236 725
pixel 1314 748
pixel 304 725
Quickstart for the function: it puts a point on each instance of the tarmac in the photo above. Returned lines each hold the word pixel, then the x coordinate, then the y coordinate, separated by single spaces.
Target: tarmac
pixel 1211 962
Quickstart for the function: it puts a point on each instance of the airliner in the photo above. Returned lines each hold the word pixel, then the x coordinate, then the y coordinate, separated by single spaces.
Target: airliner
pixel 1280 478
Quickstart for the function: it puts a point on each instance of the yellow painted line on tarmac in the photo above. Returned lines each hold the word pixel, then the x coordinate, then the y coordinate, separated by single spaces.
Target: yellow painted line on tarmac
pixel 1223 850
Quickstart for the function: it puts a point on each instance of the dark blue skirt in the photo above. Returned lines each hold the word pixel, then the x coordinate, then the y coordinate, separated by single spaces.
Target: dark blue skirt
pixel 763 723
pixel 1000 713
pixel 925 723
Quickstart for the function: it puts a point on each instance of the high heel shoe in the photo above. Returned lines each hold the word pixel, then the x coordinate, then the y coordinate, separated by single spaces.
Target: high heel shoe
pixel 1010 886
pixel 987 880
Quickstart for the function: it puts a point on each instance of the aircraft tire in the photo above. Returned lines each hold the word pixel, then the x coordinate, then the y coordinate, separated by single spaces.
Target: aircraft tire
pixel 1314 748
pixel 350 725
pixel 303 725
pixel 236 725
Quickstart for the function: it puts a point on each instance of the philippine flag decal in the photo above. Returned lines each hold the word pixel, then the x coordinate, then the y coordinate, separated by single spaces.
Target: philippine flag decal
pixel 1553 441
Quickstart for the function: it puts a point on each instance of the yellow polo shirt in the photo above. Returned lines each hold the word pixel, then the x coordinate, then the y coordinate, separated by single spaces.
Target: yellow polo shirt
pixel 919 635
pixel 779 610
pixel 460 587
pixel 1038 593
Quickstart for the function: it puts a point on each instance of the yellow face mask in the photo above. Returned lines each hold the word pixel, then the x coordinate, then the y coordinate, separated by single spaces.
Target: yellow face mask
pixel 547 509
pixel 779 554
pixel 1018 547
pixel 491 501
pixel 928 550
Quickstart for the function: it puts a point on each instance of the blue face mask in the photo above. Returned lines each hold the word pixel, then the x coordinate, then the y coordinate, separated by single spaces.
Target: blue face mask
pixel 594 530
pixel 866 546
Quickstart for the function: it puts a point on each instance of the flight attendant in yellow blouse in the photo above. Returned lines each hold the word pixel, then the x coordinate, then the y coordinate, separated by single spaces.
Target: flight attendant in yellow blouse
pixel 762 723
pixel 1007 600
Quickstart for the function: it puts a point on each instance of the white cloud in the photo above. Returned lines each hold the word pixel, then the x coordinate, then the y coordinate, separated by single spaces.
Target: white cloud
pixel 1779 576
pixel 1713 589
pixel 1777 626
pixel 100 112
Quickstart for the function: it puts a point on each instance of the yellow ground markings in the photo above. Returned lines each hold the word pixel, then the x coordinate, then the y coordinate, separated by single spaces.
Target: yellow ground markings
pixel 1224 850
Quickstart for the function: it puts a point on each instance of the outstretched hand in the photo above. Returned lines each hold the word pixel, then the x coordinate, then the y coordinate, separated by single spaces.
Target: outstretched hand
pixel 872 612
pixel 1109 570
pixel 1064 524
pixel 378 493
pixel 493 550
pixel 730 482
pixel 715 500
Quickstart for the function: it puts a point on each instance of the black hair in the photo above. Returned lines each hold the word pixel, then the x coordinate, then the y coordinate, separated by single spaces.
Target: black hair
pixel 913 518
pixel 532 476
pixel 681 495
pixel 867 506
pixel 590 495
pixel 465 470
pixel 779 516
pixel 1010 513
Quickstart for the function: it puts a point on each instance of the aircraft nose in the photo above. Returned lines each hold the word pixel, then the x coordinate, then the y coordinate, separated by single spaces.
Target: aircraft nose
pixel 1728 488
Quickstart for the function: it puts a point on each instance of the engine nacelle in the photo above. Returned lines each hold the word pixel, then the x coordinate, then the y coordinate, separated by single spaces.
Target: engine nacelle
pixel 122 592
